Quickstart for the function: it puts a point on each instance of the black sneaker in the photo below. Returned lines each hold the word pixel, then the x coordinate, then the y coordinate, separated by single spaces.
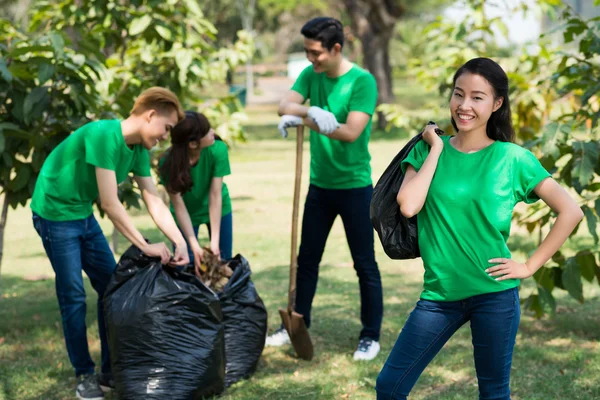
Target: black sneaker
pixel 88 388
pixel 106 382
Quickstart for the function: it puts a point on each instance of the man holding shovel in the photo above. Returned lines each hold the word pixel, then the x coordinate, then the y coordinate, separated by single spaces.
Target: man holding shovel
pixel 342 97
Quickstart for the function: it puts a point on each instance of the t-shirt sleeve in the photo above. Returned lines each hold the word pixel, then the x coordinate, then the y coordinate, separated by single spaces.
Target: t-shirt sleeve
pixel 100 147
pixel 364 95
pixel 416 157
pixel 221 166
pixel 528 173
pixel 302 84
pixel 141 165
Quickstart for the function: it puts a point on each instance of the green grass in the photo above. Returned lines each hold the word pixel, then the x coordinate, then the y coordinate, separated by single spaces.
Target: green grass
pixel 555 358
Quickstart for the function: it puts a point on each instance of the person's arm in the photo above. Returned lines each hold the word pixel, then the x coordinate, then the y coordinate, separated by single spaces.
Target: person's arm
pixel 569 215
pixel 162 218
pixel 215 207
pixel 415 186
pixel 185 222
pixel 109 201
pixel 348 132
pixel 292 104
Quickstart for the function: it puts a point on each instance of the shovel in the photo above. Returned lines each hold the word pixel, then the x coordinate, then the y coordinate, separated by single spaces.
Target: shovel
pixel 292 321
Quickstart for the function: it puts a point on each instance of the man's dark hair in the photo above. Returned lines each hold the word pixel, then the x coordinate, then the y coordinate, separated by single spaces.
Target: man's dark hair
pixel 326 30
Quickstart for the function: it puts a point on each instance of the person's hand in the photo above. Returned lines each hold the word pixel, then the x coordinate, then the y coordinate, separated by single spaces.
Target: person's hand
pixel 508 269
pixel 181 256
pixel 325 120
pixel 288 121
pixel 215 248
pixel 158 250
pixel 198 258
pixel 431 137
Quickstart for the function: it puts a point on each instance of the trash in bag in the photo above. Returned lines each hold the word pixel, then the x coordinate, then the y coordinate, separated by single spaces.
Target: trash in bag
pixel 165 332
pixel 245 320
pixel 213 272
pixel 244 313
pixel 397 233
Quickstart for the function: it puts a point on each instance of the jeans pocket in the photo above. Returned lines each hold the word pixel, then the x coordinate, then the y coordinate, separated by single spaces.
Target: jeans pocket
pixel 37 223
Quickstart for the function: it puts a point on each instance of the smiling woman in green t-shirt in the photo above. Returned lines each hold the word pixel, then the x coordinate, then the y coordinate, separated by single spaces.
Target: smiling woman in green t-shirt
pixel 463 190
pixel 88 164
pixel 192 170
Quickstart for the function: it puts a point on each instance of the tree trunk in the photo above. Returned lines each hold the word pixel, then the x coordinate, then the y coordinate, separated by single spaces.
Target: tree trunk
pixel 373 22
pixel 3 219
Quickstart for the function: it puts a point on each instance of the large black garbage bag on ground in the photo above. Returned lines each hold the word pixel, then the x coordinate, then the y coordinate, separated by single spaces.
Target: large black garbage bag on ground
pixel 397 233
pixel 165 332
pixel 245 320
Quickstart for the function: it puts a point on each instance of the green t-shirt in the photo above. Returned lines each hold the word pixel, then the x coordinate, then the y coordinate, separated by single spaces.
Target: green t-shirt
pixel 335 164
pixel 213 163
pixel 466 218
pixel 66 187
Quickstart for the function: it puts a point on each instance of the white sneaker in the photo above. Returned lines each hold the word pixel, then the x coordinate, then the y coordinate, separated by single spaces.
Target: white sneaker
pixel 279 338
pixel 367 349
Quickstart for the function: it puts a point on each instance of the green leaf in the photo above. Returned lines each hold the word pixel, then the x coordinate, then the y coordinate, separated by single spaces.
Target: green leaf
pixel 37 160
pixel 545 278
pixel 571 279
pixel 533 303
pixel 547 299
pixel 194 8
pixel 46 71
pixel 36 96
pixel 139 25
pixel 165 33
pixel 594 187
pixel 554 134
pixel 23 174
pixel 4 72
pixel 590 217
pixel 19 51
pixel 183 59
pixel 587 264
pixel 585 158
pixel 2 143
pixel 502 27
pixel 58 44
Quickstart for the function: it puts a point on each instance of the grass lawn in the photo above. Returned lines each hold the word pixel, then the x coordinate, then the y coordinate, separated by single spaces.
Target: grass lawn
pixel 555 358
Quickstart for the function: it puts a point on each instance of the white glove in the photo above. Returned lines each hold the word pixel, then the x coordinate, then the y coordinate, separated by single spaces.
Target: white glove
pixel 325 120
pixel 287 121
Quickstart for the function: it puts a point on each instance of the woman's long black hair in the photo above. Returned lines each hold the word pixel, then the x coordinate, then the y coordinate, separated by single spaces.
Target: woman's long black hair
pixel 176 167
pixel 499 126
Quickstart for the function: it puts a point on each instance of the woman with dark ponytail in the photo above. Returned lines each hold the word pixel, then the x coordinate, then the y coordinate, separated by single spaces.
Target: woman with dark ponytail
pixel 192 170
pixel 463 189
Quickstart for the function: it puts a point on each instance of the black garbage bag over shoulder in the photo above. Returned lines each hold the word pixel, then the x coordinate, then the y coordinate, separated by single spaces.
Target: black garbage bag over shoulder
pixel 397 233
pixel 165 332
pixel 245 320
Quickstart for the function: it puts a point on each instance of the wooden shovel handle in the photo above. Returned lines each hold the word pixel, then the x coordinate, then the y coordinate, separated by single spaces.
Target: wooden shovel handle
pixel 294 252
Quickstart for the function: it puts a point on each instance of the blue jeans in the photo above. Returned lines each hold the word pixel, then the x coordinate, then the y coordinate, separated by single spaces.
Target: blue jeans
pixel 225 237
pixel 320 210
pixel 494 321
pixel 73 246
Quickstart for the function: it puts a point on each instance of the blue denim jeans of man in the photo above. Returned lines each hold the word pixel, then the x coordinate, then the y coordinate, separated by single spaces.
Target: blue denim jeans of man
pixel 494 321
pixel 321 208
pixel 73 247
